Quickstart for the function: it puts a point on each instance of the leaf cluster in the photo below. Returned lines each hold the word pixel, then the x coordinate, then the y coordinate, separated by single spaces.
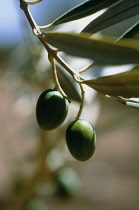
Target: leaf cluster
pixel 102 50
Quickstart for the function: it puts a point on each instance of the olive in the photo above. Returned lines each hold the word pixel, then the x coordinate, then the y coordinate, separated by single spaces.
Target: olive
pixel 68 183
pixel 51 109
pixel 81 139
pixel 35 204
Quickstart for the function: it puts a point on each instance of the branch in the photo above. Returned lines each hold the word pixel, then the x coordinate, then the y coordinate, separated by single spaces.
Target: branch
pixel 37 32
pixel 24 7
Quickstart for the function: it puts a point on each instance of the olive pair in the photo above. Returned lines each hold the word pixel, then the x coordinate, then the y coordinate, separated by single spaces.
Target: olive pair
pixel 51 111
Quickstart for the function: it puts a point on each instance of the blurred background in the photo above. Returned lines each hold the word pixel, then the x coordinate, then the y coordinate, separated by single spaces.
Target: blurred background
pixel 36 169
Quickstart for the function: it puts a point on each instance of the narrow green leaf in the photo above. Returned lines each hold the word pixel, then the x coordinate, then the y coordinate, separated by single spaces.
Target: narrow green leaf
pixel 102 50
pixel 133 103
pixel 113 15
pixel 67 84
pixel 82 10
pixel 123 84
pixel 131 32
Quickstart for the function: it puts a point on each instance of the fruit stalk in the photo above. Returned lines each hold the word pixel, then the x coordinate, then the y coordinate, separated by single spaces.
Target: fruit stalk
pixel 54 71
pixel 82 102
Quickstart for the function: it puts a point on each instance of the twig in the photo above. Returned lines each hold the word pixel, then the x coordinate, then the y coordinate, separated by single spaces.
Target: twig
pixel 50 50
pixel 54 71
pixel 82 102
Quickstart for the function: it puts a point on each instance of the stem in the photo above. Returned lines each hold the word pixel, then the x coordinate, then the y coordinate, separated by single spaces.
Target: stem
pixel 126 99
pixel 58 87
pixel 87 67
pixel 24 7
pixel 52 61
pixel 53 53
pixel 82 102
pixel 50 50
pixel 45 27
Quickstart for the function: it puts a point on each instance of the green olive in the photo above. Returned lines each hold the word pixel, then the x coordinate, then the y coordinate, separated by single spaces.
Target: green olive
pixel 68 182
pixel 81 139
pixel 35 204
pixel 51 109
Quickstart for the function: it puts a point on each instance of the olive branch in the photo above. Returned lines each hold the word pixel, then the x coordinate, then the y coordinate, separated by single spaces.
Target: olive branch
pixel 103 50
pixel 53 54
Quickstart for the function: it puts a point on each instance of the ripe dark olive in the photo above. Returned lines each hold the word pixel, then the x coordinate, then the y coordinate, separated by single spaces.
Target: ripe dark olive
pixel 81 139
pixel 51 109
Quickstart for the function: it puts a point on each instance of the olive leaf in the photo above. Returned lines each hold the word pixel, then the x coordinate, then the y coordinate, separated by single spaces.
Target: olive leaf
pixel 133 104
pixel 131 32
pixel 113 15
pixel 124 84
pixel 67 84
pixel 103 50
pixel 82 10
